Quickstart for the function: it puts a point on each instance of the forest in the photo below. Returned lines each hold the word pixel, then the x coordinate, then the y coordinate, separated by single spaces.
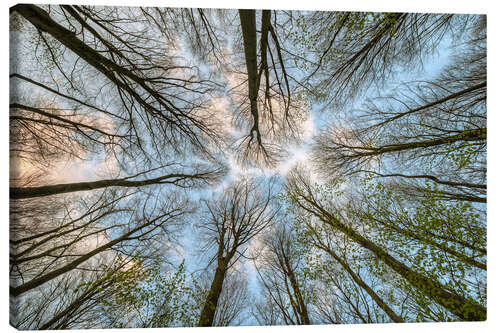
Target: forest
pixel 221 167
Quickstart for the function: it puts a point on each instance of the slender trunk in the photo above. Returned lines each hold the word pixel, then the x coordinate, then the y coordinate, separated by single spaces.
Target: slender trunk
pixel 433 178
pixel 348 300
pixel 266 24
pixel 458 241
pixel 209 309
pixel 18 257
pixel 74 306
pixel 56 92
pixel 468 135
pixel 63 121
pixel 434 103
pixel 304 316
pixel 293 303
pixel 41 191
pixel 460 197
pixel 70 223
pixel 384 306
pixel 302 309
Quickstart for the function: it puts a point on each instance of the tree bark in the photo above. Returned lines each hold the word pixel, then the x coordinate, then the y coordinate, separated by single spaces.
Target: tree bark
pixel 302 309
pixel 207 315
pixel 468 135
pixel 249 32
pixel 41 191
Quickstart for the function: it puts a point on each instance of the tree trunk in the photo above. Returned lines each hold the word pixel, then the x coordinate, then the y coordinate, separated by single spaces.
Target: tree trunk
pixel 16 291
pixel 209 309
pixel 464 308
pixel 249 32
pixel 74 306
pixel 467 135
pixel 302 309
pixel 41 191
pixel 434 103
pixel 387 309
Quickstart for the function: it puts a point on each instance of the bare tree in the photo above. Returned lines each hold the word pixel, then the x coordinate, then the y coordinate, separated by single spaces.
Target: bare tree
pixel 396 231
pixel 178 179
pixel 151 99
pixel 348 52
pixel 428 132
pixel 278 271
pixel 231 221
pixel 65 247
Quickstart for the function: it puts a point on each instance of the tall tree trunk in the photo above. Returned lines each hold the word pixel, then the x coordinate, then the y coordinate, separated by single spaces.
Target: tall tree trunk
pixel 452 96
pixel 464 308
pixel 477 135
pixel 380 302
pixel 41 191
pixel 264 31
pixel 249 32
pixel 62 121
pixel 209 309
pixel 302 309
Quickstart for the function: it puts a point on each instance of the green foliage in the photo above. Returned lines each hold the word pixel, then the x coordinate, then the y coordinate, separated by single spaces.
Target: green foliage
pixel 159 298
pixel 311 42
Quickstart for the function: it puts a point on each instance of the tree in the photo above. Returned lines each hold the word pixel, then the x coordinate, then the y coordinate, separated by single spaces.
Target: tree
pixel 178 179
pixel 429 131
pixel 139 229
pixel 302 194
pixel 230 222
pixel 233 300
pixel 356 278
pixel 151 104
pixel 278 268
pixel 107 97
pixel 136 78
pixel 347 52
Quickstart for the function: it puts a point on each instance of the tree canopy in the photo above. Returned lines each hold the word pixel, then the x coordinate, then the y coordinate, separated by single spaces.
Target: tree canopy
pixel 215 167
